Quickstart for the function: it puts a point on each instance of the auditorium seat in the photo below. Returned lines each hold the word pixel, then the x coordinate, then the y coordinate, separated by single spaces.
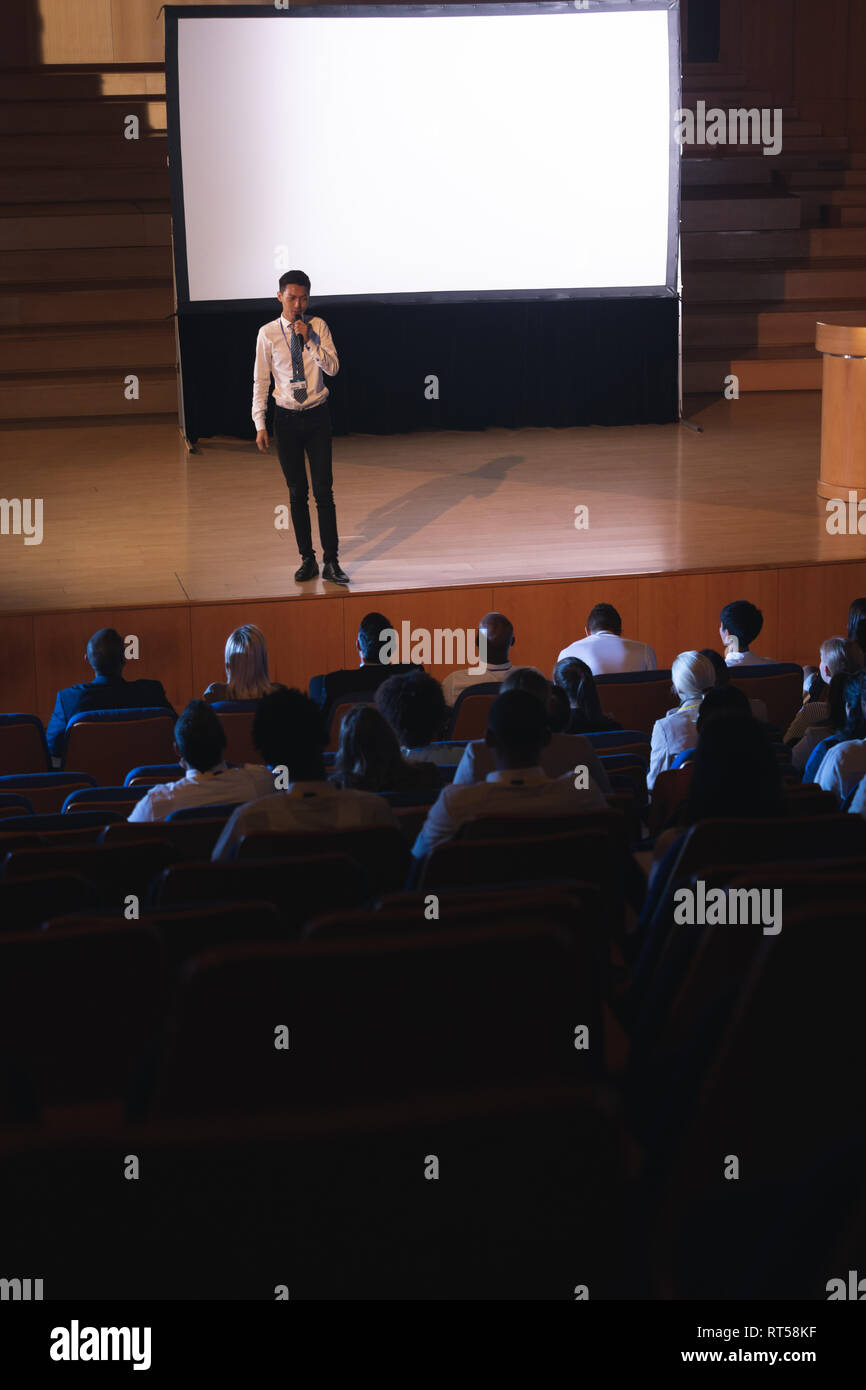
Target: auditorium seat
pixel 213 810
pixel 22 745
pixel 615 740
pixel 372 1020
pixel 751 841
pixel 120 799
pixel 636 699
pixel 26 903
pixel 332 1206
pixel 236 717
pixel 154 775
pixel 779 684
pixel 116 871
pixel 380 850
pixel 471 708
pixel 190 839
pixel 103 743
pixel 185 932
pixel 46 791
pixel 338 713
pixel 297 888
pixel 73 826
pixel 670 790
pixel 11 804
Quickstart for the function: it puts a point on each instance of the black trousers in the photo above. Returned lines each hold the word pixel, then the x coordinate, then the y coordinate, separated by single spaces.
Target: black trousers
pixel 297 431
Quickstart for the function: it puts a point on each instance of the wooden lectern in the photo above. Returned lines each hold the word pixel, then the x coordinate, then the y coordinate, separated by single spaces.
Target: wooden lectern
pixel 843 411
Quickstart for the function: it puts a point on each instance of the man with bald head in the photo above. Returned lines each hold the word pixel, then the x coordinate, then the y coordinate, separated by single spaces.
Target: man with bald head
pixel 495 640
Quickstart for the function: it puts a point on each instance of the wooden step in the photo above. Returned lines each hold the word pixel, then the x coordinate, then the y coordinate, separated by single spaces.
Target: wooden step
pixel 735 99
pixel 117 303
pixel 43 84
pixel 794 144
pixel 86 151
pixel 749 169
pixel 105 116
pixel 698 75
pixel 820 243
pixel 765 325
pixel 758 369
pixel 71 266
pixel 61 233
pixel 751 281
pixel 826 178
pixel 85 185
pixel 846 217
pixel 741 209
pixel 77 394
pixel 59 347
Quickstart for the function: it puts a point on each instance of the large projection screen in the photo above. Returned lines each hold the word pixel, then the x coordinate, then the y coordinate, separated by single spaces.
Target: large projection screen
pixel 439 153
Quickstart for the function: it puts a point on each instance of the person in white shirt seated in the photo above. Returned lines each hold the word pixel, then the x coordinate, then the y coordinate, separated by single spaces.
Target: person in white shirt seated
pixel 414 706
pixel 605 650
pixel 693 674
pixel 495 640
pixel 290 733
pixel 199 741
pixel 562 754
pixel 517 732
pixel 739 625
pixel 838 656
pixel 844 765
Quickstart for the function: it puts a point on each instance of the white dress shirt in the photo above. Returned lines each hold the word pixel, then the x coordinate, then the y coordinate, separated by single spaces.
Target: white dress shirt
pixel 454 685
pixel 274 358
pixel 304 807
pixel 843 767
pixel 220 784
pixel 526 791
pixel 564 753
pixel 748 659
pixel 606 654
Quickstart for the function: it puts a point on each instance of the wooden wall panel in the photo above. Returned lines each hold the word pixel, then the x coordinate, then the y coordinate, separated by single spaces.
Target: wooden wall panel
pixel 821 48
pixel 813 605
pixel 164 650
pixel 304 638
pixel 424 608
pixel 18 667
pixel 681 612
pixel 76 31
pixel 768 42
pixel 547 617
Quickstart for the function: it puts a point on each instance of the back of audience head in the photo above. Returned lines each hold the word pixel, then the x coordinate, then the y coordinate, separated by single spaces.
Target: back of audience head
pixel 371 638
pixel 739 624
pixel 735 771
pixel 246 660
pixel 289 731
pixel 722 700
pixel 574 677
pixel 105 653
pixel 720 666
pixel 693 674
pixel 199 737
pixel 414 706
pixel 517 729
pixel 857 623
pixel 852 696
pixel 497 632
pixel 604 618
pixel 369 755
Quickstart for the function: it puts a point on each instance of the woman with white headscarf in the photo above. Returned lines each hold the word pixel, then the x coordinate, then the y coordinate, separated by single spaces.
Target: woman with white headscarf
pixel 693 674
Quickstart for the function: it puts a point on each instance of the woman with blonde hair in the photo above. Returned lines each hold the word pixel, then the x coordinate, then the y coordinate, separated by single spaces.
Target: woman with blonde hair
pixel 693 674
pixel 246 659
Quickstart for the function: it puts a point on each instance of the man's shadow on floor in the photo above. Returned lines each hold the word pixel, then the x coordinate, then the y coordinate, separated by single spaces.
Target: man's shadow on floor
pixel 405 516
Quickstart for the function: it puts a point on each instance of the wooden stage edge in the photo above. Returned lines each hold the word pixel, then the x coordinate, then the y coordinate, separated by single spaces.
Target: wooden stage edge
pixel 181 643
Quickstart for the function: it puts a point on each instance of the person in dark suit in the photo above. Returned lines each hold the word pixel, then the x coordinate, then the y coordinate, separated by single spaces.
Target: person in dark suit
pixel 107 690
pixel 330 689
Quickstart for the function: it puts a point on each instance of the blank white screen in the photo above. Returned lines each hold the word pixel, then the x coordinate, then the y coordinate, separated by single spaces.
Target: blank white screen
pixel 402 155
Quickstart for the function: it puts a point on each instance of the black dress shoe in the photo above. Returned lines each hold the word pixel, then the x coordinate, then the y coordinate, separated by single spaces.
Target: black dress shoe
pixel 309 569
pixel 332 572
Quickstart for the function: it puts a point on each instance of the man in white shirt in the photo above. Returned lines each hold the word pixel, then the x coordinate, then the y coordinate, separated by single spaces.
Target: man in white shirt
pixel 605 650
pixel 199 740
pixel 297 351
pixel 739 625
pixel 495 640
pixel 517 731
pixel 290 734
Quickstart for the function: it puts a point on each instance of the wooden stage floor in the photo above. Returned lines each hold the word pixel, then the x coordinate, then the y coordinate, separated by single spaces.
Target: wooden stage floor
pixel 130 518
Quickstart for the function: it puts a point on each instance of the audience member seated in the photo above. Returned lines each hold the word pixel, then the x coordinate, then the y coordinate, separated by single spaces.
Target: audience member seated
pixel 246 661
pixel 844 765
pixel 369 759
pixel 839 656
pixel 857 624
pixel 575 679
pixel 517 732
pixel 495 640
pixel 562 754
pixel 723 680
pixel 605 650
pixel 200 740
pixel 808 753
pixel 290 734
pixel 107 690
pixel 414 706
pixel 365 679
pixel 693 674
pixel 858 801
pixel 739 625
